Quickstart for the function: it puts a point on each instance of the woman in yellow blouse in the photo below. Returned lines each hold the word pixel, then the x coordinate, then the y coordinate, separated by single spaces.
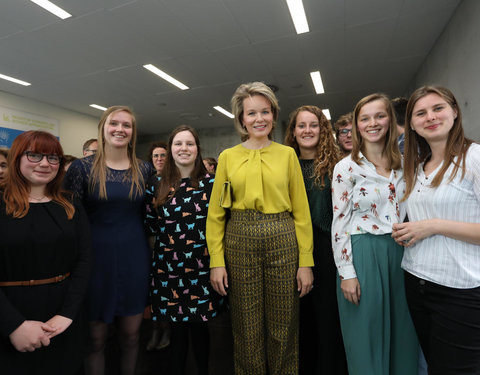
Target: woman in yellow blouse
pixel 263 255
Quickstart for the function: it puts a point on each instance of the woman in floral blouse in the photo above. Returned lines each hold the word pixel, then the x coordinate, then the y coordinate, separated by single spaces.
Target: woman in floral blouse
pixel 367 187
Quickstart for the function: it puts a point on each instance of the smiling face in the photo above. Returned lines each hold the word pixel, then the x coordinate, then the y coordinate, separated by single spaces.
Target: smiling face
pixel 184 149
pixel 159 155
pixel 345 137
pixel 118 129
pixel 257 117
pixel 373 122
pixel 432 118
pixel 39 173
pixel 307 131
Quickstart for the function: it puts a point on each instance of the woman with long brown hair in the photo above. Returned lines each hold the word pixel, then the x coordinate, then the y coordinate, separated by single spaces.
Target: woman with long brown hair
pixel 44 262
pixel 321 345
pixel 442 239
pixel 367 188
pixel 111 185
pixel 176 215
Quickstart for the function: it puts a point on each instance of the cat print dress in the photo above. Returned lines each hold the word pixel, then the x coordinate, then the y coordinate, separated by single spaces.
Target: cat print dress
pixel 180 288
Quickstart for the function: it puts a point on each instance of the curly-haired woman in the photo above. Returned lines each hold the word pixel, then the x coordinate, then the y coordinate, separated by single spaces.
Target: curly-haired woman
pixel 321 345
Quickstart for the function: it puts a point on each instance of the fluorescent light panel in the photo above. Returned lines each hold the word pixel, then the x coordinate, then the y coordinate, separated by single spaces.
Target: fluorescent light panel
pixel 52 8
pixel 326 112
pixel 317 82
pixel 14 80
pixel 98 107
pixel 223 111
pixel 165 76
pixel 298 16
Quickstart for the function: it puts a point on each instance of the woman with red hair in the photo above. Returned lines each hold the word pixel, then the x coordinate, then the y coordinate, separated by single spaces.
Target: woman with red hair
pixel 44 262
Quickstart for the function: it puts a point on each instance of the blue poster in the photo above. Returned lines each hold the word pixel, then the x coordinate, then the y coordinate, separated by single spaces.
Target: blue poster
pixel 7 136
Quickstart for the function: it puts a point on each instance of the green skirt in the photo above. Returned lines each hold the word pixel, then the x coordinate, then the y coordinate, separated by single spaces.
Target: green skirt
pixel 378 334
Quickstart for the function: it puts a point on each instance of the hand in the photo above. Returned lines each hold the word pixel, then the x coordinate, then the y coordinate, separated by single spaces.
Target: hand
pixel 219 280
pixel 31 335
pixel 351 290
pixel 304 280
pixel 59 323
pixel 408 234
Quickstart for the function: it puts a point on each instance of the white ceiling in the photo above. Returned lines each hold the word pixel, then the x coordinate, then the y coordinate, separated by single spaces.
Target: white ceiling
pixel 96 56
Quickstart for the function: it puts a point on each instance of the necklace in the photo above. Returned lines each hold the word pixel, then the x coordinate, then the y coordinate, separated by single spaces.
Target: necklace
pixel 37 199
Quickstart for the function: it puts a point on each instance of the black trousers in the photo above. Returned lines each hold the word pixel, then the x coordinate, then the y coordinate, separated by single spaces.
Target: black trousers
pixel 198 333
pixel 447 321
pixel 321 343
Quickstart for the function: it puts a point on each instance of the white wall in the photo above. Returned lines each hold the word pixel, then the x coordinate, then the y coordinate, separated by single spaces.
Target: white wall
pixel 454 62
pixel 74 128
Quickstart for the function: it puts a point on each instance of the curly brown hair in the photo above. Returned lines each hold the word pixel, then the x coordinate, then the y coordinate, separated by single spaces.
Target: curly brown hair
pixel 327 154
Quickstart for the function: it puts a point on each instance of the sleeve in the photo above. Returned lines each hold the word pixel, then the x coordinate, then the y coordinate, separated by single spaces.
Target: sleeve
pixel 342 192
pixel 474 167
pixel 80 273
pixel 10 317
pixel 216 217
pixel 151 219
pixel 74 180
pixel 300 212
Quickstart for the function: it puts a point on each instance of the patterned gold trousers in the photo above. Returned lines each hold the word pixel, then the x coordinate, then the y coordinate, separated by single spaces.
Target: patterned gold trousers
pixel 262 261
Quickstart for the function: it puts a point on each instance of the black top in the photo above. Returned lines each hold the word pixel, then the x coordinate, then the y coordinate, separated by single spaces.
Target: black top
pixel 41 245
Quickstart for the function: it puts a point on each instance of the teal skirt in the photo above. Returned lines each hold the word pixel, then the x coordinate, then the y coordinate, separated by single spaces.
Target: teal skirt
pixel 378 334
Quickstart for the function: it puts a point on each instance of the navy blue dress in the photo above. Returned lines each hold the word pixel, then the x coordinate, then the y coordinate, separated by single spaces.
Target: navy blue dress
pixel 120 252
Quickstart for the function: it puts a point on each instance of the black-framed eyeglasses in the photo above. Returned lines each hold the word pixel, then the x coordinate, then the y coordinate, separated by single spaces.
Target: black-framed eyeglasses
pixel 344 131
pixel 162 155
pixel 36 157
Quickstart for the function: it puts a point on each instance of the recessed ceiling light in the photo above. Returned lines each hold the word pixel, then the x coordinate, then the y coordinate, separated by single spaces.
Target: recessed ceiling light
pixel 52 8
pixel 14 80
pixel 98 107
pixel 165 76
pixel 326 112
pixel 297 11
pixel 317 82
pixel 223 111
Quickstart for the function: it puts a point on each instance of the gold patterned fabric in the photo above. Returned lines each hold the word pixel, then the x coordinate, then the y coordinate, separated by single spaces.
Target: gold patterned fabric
pixel 262 261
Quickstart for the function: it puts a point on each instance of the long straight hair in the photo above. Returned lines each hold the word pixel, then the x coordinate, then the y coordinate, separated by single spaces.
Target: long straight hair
pixel 391 143
pixel 98 177
pixel 17 187
pixel 327 153
pixel 417 150
pixel 170 176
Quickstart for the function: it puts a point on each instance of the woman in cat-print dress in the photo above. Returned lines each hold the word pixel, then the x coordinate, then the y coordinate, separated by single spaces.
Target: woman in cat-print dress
pixel 176 211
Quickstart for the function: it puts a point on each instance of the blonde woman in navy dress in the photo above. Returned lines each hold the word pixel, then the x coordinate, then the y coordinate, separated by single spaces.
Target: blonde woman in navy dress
pixel 176 214
pixel 367 188
pixel 442 239
pixel 111 185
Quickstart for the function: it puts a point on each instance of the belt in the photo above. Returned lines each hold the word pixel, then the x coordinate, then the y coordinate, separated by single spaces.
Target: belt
pixel 51 280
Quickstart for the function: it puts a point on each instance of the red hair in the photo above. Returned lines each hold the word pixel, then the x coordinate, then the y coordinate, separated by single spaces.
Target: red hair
pixel 17 187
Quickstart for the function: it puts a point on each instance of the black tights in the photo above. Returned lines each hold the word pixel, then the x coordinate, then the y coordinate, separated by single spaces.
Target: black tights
pixel 128 330
pixel 179 346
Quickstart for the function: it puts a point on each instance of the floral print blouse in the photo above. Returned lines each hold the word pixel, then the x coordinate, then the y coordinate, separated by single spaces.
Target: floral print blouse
pixel 363 202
